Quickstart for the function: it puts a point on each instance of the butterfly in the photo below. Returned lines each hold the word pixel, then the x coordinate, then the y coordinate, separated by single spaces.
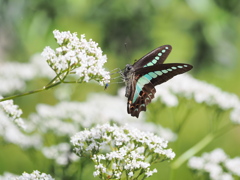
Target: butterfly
pixel 149 71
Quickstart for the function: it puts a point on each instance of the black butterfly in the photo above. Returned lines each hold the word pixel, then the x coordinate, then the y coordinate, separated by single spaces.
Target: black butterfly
pixel 149 71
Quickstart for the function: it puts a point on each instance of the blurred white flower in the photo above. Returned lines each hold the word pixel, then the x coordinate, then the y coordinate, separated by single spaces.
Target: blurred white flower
pixel 129 150
pixel 225 176
pixel 196 163
pixel 217 156
pixel 215 170
pixel 61 153
pixel 11 133
pixel 40 66
pixel 14 75
pixel 166 96
pixel 67 118
pixel 8 176
pixel 233 165
pixel 63 92
pixel 235 115
pixel 35 175
pixel 216 164
pixel 79 56
pixel 202 92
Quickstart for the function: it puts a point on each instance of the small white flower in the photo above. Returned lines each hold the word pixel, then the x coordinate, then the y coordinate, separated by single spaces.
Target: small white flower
pixel 130 174
pixel 96 173
pixel 150 173
pixel 114 166
pixel 144 165
pixel 117 175
pixel 170 154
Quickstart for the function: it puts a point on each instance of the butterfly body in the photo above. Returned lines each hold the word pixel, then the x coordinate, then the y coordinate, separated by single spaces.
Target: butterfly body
pixel 149 71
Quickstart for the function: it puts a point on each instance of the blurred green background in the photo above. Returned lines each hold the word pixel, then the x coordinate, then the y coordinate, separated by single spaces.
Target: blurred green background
pixel 203 33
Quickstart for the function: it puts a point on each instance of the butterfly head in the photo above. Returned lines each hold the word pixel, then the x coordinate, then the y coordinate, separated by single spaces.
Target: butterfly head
pixel 128 68
pixel 125 73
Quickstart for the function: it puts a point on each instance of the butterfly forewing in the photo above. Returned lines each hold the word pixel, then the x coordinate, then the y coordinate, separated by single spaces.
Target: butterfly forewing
pixel 161 73
pixel 157 56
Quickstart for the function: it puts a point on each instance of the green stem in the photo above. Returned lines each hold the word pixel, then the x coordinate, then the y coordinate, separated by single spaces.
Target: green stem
pixel 54 82
pixel 199 146
pixel 183 121
pixel 192 151
pixel 31 92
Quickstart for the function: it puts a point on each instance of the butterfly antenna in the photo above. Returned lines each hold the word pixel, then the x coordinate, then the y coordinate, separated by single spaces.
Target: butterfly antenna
pixel 126 48
pixel 125 45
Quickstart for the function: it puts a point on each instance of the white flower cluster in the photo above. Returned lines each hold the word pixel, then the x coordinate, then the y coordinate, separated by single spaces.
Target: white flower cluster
pixel 119 151
pixel 217 165
pixel 61 153
pixel 79 56
pixel 12 134
pixel 10 123
pixel 13 111
pixel 201 92
pixel 35 175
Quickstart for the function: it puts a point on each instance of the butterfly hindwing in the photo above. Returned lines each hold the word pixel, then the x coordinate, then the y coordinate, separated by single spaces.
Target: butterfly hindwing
pixel 138 101
pixel 148 78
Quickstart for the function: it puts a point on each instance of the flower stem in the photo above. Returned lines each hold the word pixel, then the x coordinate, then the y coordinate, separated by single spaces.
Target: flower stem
pixel 31 92
pixel 192 151
pixel 199 146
